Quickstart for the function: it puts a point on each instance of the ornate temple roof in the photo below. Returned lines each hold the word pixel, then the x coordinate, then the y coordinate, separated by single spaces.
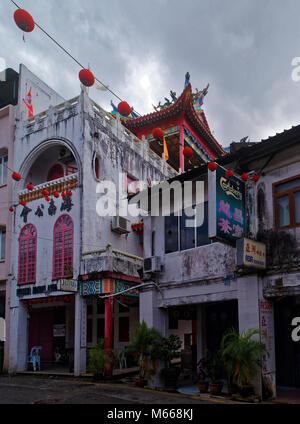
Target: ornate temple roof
pixel 181 107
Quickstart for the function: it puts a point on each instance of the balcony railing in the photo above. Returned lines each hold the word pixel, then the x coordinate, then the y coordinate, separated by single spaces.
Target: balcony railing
pixel 69 182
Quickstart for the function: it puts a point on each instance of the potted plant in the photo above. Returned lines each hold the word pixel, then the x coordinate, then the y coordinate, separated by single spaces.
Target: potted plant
pixel 145 346
pixel 229 364
pixel 99 360
pixel 168 350
pixel 246 354
pixel 215 373
pixel 203 375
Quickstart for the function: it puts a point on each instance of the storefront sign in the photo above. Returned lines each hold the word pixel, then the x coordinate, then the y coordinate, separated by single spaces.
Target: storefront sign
pixel 251 254
pixel 59 330
pixel 68 285
pixel 266 314
pixel 226 206
pixel 89 288
pixel 120 286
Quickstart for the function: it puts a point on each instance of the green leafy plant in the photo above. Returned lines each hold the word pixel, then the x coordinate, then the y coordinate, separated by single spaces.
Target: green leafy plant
pixel 242 355
pixel 214 366
pixel 100 359
pixel 168 349
pixel 145 348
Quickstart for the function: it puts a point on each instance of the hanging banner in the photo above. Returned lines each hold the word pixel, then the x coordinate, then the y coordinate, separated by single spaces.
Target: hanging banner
pixel 266 315
pixel 226 206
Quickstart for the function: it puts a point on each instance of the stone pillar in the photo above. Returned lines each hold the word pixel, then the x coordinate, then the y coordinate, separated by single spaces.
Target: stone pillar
pixel 80 327
pixel 7 319
pixel 155 318
pixel 248 305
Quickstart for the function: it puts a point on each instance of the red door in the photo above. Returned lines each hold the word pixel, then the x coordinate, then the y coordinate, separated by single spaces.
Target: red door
pixel 41 333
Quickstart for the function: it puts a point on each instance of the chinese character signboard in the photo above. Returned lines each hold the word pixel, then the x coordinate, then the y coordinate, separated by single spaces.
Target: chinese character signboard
pixel 68 285
pixel 267 338
pixel 227 214
pixel 251 254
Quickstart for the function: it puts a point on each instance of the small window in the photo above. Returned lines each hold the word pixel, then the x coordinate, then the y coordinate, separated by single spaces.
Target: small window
pixel 27 254
pixel 63 248
pixel 96 167
pixel 287 203
pixel 3 170
pixel 2 243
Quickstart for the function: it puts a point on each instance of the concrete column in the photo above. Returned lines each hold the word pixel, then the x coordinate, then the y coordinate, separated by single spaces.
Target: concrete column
pixel 248 305
pixel 18 338
pixel 157 318
pixel 80 327
pixel 201 333
pixel 7 320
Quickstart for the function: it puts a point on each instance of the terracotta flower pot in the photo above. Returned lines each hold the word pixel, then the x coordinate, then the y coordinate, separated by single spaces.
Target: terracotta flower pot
pixel 203 386
pixel 215 388
pixel 232 389
pixel 246 391
pixel 140 382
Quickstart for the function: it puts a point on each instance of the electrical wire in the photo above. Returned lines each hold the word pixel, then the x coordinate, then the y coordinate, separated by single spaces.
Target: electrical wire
pixel 72 57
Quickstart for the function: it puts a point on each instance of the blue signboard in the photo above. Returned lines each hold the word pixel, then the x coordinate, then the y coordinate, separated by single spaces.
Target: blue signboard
pixel 227 211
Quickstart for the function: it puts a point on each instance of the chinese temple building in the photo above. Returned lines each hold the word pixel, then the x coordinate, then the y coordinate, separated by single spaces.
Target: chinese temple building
pixel 184 124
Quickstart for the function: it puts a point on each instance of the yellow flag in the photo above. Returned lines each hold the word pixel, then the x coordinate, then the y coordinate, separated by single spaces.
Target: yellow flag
pixel 166 153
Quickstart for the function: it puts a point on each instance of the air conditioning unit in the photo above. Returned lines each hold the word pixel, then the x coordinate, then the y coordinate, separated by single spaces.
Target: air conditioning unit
pixel 121 225
pixel 152 264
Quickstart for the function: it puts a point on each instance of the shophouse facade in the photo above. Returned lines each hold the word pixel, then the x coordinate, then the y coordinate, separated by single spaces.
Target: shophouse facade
pixel 67 253
pixel 8 101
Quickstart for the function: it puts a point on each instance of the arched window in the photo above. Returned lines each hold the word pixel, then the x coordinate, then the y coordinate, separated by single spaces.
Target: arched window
pixel 27 254
pixel 55 172
pixel 63 248
pixel 96 166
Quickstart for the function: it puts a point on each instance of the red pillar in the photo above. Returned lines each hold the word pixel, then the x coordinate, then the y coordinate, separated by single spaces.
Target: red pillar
pixel 181 147
pixel 108 335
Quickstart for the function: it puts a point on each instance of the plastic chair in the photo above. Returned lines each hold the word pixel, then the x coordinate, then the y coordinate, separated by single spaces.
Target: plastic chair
pixel 34 357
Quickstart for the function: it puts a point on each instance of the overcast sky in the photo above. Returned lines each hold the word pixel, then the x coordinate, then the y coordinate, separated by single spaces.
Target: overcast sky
pixel 143 48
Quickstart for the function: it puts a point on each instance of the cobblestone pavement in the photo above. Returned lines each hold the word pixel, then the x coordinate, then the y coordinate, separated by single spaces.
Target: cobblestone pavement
pixel 41 390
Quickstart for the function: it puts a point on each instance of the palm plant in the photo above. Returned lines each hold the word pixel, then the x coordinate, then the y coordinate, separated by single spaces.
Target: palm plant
pixel 100 359
pixel 145 347
pixel 241 355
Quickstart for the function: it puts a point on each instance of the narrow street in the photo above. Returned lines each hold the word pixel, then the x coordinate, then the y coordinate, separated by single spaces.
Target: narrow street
pixel 37 390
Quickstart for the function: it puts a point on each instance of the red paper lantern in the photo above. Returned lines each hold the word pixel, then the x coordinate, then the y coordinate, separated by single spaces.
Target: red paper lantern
pixel 63 195
pixel 124 109
pixel 158 134
pixel 24 20
pixel 23 203
pixel 45 192
pixel 69 193
pixel 16 176
pixel 244 177
pixel 188 152
pixel 212 166
pixel 30 186
pixel 255 178
pixel 56 195
pixel 229 173
pixel 11 209
pixel 86 77
pixel 47 199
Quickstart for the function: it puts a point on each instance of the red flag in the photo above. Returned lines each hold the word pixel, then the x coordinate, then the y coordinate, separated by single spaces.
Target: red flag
pixel 28 103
